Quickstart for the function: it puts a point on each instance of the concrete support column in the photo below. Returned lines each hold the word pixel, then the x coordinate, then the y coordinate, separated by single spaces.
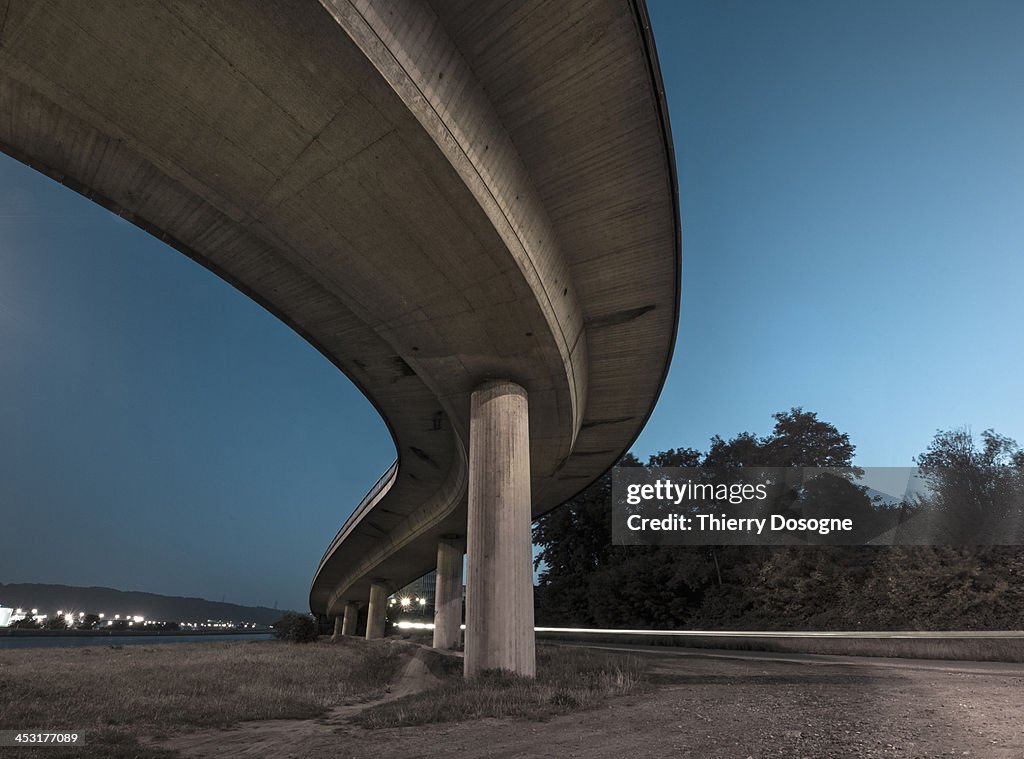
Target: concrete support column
pixel 375 613
pixel 448 593
pixel 499 568
pixel 351 618
pixel 337 629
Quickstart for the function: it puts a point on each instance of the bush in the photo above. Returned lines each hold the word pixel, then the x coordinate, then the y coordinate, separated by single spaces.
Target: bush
pixel 56 623
pixel 296 628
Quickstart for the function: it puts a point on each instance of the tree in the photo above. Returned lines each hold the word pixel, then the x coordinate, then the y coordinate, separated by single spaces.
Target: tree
pixel 799 438
pixel 673 457
pixel 89 622
pixel 575 540
pixel 56 623
pixel 650 586
pixel 976 494
pixel 295 628
pixel 587 580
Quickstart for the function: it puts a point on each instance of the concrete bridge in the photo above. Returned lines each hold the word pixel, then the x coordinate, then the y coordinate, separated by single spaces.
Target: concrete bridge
pixel 468 206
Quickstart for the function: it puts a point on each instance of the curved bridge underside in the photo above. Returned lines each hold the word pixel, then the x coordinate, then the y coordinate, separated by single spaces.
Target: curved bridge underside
pixel 432 194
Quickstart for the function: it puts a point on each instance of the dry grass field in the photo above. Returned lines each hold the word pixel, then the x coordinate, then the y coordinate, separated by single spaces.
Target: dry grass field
pixel 117 694
pixel 393 697
pixel 127 700
pixel 567 680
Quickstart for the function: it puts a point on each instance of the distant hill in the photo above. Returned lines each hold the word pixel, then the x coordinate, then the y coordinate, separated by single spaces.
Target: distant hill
pixel 49 598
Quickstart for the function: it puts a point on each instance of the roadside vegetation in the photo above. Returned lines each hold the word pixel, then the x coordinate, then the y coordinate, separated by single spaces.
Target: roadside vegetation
pixel 567 680
pixel 295 628
pixel 949 649
pixel 588 581
pixel 964 649
pixel 117 693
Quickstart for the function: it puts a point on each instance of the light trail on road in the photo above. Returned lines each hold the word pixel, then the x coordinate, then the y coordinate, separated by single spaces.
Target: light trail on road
pixel 867 634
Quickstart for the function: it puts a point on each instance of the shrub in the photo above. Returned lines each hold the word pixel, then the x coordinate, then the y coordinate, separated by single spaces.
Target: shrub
pixel 296 628
pixel 56 623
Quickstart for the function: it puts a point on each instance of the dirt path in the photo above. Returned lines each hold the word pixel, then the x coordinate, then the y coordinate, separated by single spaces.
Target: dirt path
pixel 707 708
pixel 294 737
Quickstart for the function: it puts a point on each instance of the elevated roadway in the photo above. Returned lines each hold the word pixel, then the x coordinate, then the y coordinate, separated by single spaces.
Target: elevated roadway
pixel 468 207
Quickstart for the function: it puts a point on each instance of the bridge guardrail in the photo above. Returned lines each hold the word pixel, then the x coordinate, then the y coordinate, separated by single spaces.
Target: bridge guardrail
pixel 363 506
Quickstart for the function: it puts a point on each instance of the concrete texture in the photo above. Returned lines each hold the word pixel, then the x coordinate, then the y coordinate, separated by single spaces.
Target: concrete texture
pixel 377 611
pixel 338 628
pixel 592 134
pixel 499 565
pixel 448 593
pixel 431 194
pixel 351 618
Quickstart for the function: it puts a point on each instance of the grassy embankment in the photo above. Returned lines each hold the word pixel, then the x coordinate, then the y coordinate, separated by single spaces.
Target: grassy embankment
pixel 121 695
pixel 117 694
pixel 567 680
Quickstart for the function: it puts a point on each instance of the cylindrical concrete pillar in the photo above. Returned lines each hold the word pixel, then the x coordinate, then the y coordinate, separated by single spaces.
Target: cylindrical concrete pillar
pixel 375 612
pixel 448 592
pixel 337 628
pixel 499 566
pixel 351 618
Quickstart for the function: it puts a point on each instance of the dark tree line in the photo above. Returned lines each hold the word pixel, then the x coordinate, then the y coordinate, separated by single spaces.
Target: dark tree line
pixel 585 580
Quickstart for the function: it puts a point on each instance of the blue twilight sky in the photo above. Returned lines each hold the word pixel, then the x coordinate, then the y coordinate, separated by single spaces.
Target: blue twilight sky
pixel 852 183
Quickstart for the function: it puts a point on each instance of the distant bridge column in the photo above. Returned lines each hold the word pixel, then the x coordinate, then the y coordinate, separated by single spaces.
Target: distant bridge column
pixel 350 620
pixel 448 593
pixel 499 567
pixel 375 612
pixel 338 629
